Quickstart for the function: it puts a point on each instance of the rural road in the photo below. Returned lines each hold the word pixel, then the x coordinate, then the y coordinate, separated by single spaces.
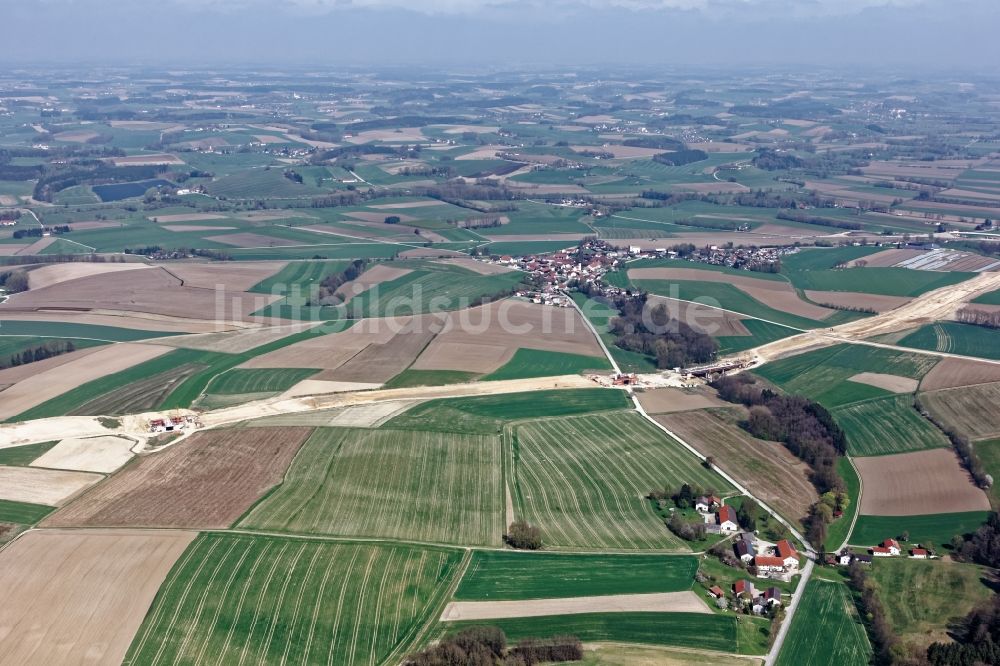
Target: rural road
pixel 772 655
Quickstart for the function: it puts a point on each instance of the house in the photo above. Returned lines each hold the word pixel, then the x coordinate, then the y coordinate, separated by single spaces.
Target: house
pixel 787 553
pixel 744 588
pixel 863 559
pixel 744 550
pixel 918 554
pixel 702 505
pixel 879 551
pixel 766 564
pixel 758 606
pixel 716 592
pixel 892 546
pixel 844 558
pixel 727 520
pixel 772 596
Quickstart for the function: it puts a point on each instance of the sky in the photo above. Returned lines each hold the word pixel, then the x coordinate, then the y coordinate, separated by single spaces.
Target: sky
pixel 901 34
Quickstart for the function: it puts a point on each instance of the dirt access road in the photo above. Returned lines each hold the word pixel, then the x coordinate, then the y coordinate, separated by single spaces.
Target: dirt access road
pixel 933 306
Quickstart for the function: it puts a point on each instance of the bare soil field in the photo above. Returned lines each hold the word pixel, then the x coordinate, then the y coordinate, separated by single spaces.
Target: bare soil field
pixel 140 321
pixel 931 170
pixel 850 299
pixel 970 410
pixel 329 352
pixel 380 362
pixel 76 136
pixel 158 292
pixel 887 258
pixel 484 153
pixel 186 217
pixel 149 125
pixel 412 204
pixel 206 481
pixel 250 239
pixel 400 135
pixel 570 239
pixel 893 383
pixel 236 276
pixel 38 245
pixel 778 295
pixel 913 484
pixel 767 469
pixel 480 267
pixel 471 339
pixel 238 341
pixel 318 386
pixel 93 224
pixel 535 188
pixel 9 376
pixel 51 274
pixel 371 277
pixel 667 400
pixel 90 454
pixel 42 486
pixel 270 138
pixel 703 318
pixel 54 381
pixel 147 160
pixel 11 250
pixel 78 597
pixel 194 227
pixel 676 602
pixel 7 200
pixel 720 147
pixel 621 152
pixel 954 372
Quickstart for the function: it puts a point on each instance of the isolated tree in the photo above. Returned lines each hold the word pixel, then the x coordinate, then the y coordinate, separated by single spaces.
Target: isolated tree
pixel 523 536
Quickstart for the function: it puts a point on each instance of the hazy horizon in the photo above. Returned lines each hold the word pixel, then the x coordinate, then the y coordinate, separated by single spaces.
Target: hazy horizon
pixel 900 34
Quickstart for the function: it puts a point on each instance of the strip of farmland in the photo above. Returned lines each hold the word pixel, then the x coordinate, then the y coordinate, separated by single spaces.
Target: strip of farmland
pixel 262 600
pixel 421 486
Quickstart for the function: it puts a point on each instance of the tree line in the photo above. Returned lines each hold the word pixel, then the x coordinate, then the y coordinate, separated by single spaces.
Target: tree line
pixel 487 646
pixel 38 353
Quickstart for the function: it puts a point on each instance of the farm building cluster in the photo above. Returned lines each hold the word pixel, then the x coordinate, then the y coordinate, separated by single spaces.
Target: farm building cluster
pixel 746 595
pixel 888 548
pixel 550 274
pixel 765 560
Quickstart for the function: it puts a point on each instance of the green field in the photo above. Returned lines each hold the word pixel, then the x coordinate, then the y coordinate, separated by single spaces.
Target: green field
pixel 887 425
pixel 938 528
pixel 988 452
pixel 836 532
pixel 299 275
pixel 23 513
pixel 538 363
pixel 600 315
pixel 822 375
pixel 826 630
pixel 583 480
pixel 761 333
pixel 20 456
pixel 513 575
pixel 813 269
pixel 487 414
pixel 236 598
pixel 428 287
pixel 955 338
pixel 411 377
pixel 947 592
pixel 989 298
pixel 412 485
pixel 706 631
pixel 268 380
pixel 58 329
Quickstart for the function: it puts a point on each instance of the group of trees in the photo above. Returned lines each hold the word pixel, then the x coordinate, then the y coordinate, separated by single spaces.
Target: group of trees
pixel 681 157
pixel 817 221
pixel 326 291
pixel 982 546
pixel 14 282
pixel 39 353
pixel 523 536
pixel 654 332
pixel 487 646
pixel 806 429
pixel 977 639
pixel 38 232
pixel 977 317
